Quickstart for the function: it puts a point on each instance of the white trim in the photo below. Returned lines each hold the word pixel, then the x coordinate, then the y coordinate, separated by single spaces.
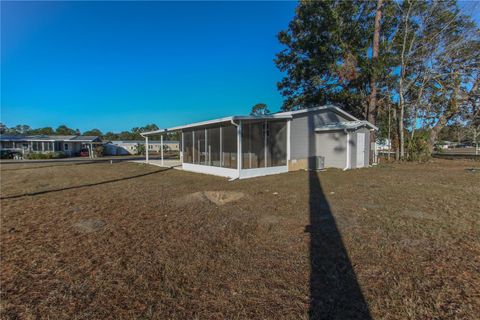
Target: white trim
pixel 279 115
pixel 289 122
pixel 345 125
pixel 193 146
pixel 221 120
pixel 146 149
pixel 217 171
pixel 239 146
pixel 331 107
pixel 348 162
pixel 161 148
pixel 259 172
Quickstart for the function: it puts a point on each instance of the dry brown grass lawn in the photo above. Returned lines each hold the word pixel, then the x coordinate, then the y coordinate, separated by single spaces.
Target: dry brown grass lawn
pixel 124 241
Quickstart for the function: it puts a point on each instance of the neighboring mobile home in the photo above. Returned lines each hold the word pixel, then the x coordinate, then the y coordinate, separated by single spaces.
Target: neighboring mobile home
pixel 249 146
pixel 126 147
pixel 70 145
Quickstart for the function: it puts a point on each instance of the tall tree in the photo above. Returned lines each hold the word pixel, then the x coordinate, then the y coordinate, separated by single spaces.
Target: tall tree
pixel 93 132
pixel 438 59
pixel 64 130
pixel 327 58
pixel 43 131
pixel 259 109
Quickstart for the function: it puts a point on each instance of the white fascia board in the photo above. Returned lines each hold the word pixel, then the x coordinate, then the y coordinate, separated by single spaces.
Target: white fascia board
pixel 220 120
pixel 348 126
pixel 327 107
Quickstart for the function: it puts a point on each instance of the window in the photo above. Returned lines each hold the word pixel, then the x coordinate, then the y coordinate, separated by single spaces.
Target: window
pixel 48 146
pixel 36 146
pixel 65 146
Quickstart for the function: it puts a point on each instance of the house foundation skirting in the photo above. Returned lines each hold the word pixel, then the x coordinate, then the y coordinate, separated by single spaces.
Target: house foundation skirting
pixel 234 173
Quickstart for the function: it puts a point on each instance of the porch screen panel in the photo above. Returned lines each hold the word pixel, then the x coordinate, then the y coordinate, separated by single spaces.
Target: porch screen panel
pixel 229 147
pixel 213 147
pixel 187 147
pixel 36 146
pixel 199 146
pixel 253 145
pixel 277 144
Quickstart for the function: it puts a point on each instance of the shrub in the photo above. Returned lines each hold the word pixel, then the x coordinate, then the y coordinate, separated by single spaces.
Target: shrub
pixel 99 151
pixel 417 148
pixel 49 155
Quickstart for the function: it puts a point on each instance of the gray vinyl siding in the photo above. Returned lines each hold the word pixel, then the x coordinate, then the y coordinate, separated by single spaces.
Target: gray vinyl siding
pixel 333 146
pixel 302 133
pixel 306 143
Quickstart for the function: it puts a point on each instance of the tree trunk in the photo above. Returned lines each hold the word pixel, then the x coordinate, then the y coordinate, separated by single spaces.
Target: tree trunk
pixel 401 115
pixel 372 103
pixel 397 142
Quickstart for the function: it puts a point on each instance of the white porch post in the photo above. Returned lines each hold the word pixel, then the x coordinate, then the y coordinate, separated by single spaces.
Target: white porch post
pixel 161 147
pixel 183 149
pixel 193 146
pixel 91 150
pixel 239 147
pixel 289 122
pixel 146 149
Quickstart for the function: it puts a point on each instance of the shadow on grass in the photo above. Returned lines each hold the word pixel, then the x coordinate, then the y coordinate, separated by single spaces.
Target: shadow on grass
pixel 334 289
pixel 83 185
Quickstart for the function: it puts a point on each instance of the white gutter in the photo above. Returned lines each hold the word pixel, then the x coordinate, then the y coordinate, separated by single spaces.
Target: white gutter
pixel 347 165
pixel 238 156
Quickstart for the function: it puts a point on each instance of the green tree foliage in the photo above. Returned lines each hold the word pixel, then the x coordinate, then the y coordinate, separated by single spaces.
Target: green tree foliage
pixel 326 57
pixel 427 70
pixel 93 132
pixel 42 131
pixel 260 109
pixel 64 130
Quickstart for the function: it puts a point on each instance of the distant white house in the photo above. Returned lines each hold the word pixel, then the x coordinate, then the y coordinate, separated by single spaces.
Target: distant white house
pixel 126 147
pixel 70 145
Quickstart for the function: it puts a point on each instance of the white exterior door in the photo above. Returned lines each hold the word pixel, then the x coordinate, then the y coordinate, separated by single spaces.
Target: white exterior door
pixel 360 149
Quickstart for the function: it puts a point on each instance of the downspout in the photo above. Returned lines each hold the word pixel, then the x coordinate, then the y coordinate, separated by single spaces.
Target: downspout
pixel 238 153
pixel 347 165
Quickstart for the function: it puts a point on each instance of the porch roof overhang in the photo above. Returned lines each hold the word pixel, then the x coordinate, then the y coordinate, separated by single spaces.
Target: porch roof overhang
pixel 219 120
pixel 346 125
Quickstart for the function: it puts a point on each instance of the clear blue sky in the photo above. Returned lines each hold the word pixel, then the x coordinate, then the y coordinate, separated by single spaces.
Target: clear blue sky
pixel 114 66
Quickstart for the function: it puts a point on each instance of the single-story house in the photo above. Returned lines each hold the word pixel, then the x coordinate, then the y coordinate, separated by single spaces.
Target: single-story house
pixel 126 147
pixel 249 146
pixel 70 145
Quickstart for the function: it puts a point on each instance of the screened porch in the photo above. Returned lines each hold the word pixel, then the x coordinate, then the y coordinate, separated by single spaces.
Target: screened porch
pixel 246 149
